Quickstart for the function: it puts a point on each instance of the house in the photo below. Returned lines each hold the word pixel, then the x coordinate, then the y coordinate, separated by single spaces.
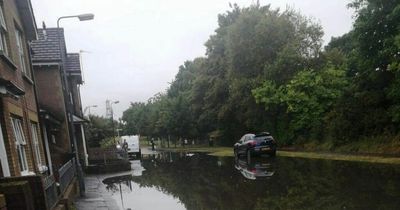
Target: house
pixel 21 148
pixel 23 165
pixel 75 80
pixel 40 112
pixel 47 61
pixel 58 75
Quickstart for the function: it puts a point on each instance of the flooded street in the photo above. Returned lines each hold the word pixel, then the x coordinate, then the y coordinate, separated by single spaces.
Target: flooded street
pixel 198 181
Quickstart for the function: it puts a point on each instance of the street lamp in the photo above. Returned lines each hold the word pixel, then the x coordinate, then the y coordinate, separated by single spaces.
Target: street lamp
pixel 81 17
pixel 68 103
pixel 112 118
pixel 88 109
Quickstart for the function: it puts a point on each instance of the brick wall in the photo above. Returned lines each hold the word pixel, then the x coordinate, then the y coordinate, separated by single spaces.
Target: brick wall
pixel 24 107
pixel 51 98
pixel 49 89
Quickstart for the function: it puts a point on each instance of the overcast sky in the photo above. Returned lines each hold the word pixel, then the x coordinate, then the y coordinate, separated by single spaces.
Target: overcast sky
pixel 134 47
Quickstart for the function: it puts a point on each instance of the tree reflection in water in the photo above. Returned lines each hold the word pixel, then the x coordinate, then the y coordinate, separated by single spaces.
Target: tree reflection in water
pixel 205 182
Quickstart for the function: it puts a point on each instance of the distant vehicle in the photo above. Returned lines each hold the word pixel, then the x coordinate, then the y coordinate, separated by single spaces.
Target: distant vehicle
pixel 131 143
pixel 250 145
pixel 254 169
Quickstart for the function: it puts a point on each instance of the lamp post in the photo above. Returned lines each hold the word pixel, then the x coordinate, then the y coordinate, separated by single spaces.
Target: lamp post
pixel 88 109
pixel 112 118
pixel 68 101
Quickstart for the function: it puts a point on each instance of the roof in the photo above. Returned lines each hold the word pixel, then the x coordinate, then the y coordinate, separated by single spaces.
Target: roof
pixel 73 66
pixel 28 18
pixel 47 47
pixel 73 63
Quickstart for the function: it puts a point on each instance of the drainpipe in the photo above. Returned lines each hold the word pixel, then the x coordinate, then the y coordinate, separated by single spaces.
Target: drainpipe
pixel 84 145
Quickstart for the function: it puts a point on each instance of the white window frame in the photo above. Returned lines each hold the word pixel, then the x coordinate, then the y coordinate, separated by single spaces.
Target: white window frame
pixel 3 155
pixel 36 145
pixel 20 145
pixel 3 31
pixel 21 52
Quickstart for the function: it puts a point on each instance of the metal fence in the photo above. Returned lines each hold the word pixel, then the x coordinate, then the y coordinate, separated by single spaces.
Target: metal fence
pixel 106 155
pixel 66 173
pixel 50 188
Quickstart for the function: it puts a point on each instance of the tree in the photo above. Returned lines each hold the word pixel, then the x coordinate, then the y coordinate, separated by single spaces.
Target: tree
pixel 98 129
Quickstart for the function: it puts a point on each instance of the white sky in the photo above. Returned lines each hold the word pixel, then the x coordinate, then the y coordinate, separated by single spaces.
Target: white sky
pixel 136 46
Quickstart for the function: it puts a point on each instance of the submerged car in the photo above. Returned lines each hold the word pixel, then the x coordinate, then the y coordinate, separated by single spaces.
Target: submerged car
pixel 251 144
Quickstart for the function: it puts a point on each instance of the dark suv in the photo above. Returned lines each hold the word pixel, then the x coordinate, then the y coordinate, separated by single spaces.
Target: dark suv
pixel 250 144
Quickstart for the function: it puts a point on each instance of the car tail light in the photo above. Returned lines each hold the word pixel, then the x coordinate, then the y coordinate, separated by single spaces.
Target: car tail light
pixel 253 143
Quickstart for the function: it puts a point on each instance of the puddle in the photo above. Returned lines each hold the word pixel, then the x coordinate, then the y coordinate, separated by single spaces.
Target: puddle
pixel 198 181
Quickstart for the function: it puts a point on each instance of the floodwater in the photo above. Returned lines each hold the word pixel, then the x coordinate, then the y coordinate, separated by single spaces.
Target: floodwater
pixel 198 181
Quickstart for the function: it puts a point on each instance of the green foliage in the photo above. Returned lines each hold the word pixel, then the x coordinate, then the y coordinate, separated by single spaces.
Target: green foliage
pixel 265 70
pixel 371 105
pixel 98 129
pixel 306 98
pixel 109 142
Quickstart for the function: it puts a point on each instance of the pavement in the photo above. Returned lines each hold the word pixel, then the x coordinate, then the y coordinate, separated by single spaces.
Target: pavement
pixel 96 196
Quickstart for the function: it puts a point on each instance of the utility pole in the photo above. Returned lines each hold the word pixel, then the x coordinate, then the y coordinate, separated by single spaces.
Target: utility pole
pixel 110 114
pixel 68 99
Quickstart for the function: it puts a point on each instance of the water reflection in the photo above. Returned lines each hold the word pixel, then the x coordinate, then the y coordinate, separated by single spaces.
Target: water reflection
pixel 255 168
pixel 114 184
pixel 137 169
pixel 198 181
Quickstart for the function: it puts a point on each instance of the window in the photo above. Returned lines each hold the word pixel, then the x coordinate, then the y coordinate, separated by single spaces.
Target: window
pixel 35 139
pixel 20 144
pixel 21 54
pixel 3 156
pixel 3 32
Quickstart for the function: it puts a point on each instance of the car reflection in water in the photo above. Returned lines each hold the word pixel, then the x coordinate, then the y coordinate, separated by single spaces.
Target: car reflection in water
pixel 255 168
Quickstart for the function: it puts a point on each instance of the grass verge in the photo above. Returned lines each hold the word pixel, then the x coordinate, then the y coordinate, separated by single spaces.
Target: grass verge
pixel 227 151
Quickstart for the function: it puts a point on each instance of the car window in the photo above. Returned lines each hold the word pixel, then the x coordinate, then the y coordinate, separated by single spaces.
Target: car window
pixel 248 137
pixel 241 139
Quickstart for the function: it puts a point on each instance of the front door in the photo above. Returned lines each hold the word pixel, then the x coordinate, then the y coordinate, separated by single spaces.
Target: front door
pixel 3 155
